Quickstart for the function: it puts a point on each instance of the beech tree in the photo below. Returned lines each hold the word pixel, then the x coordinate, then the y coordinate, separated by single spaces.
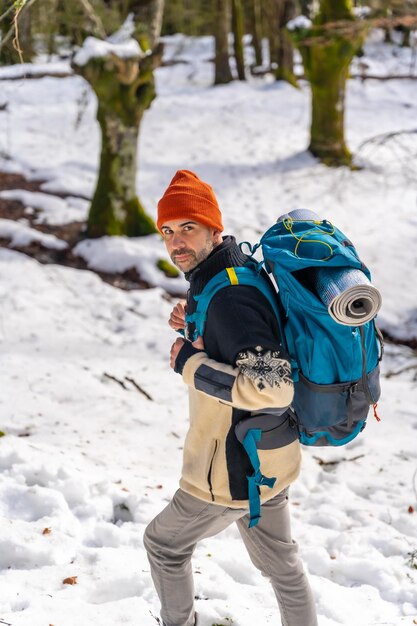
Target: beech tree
pixel 285 11
pixel 255 22
pixel 120 71
pixel 238 27
pixel 221 23
pixel 327 46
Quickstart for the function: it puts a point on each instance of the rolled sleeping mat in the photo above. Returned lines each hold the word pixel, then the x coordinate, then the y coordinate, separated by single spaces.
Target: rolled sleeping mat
pixel 350 297
pixel 300 214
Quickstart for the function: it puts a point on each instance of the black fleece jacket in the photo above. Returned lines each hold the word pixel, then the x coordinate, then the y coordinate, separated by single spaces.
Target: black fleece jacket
pixel 239 317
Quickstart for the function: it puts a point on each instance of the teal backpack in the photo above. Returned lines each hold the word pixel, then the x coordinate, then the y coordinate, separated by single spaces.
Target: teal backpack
pixel 335 367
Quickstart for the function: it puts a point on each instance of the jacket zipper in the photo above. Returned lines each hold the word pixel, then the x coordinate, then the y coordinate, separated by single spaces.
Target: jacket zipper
pixel 209 476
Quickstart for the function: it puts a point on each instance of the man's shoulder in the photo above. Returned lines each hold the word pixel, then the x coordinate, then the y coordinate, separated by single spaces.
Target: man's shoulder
pixel 239 299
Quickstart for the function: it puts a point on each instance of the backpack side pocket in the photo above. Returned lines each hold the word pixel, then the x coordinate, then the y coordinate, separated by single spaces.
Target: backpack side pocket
pixel 333 414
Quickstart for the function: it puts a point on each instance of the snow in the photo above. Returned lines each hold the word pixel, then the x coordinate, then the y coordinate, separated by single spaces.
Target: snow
pixel 300 22
pixel 118 254
pixel 125 32
pixel 51 210
pixel 94 48
pixel 20 235
pixel 87 459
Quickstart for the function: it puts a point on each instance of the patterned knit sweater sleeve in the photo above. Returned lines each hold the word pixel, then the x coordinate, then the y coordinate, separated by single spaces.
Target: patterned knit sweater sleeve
pixel 243 363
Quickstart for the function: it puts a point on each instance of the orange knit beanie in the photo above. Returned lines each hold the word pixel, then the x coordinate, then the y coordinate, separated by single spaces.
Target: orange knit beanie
pixel 189 197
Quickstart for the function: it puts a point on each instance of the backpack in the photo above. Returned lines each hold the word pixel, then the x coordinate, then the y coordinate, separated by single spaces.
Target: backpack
pixel 335 366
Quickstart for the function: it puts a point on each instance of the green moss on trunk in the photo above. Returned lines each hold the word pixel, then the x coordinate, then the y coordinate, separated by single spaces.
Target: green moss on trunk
pixel 125 89
pixel 169 270
pixel 327 67
pixel 327 54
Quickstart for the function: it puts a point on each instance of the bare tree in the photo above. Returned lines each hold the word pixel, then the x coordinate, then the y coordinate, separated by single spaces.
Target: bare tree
pixel 255 21
pixel 238 26
pixel 222 71
pixel 285 11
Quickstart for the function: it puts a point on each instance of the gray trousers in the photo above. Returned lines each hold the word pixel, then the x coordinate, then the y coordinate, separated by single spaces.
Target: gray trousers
pixel 170 540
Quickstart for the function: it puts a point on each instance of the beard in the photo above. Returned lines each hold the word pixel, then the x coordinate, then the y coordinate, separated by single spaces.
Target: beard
pixel 194 258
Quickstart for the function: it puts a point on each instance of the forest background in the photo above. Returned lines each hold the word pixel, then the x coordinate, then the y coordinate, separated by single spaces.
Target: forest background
pixel 278 105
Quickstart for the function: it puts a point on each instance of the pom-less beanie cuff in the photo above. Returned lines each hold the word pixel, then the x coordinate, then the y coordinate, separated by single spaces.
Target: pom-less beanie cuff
pixel 188 197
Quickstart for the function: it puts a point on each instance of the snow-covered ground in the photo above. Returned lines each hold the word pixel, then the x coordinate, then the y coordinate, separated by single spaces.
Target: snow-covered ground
pixel 94 418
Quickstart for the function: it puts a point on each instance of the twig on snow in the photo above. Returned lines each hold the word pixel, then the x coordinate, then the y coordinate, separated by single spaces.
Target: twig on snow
pixel 139 388
pixel 323 462
pixel 407 368
pixel 158 621
pixel 125 387
pixel 116 380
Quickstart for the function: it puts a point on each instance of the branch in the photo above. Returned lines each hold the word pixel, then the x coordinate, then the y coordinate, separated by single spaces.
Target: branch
pixel 18 7
pixel 139 388
pixel 116 380
pixel 129 380
pixel 323 462
pixel 406 368
pixel 384 137
pixel 99 28
pixel 4 15
pixel 322 33
pixel 387 77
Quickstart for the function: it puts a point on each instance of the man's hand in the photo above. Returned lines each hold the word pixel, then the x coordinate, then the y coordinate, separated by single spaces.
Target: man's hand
pixel 178 344
pixel 175 348
pixel 177 317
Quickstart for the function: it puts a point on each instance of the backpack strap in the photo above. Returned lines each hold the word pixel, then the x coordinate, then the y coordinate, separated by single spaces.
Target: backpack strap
pixel 245 275
pixel 257 479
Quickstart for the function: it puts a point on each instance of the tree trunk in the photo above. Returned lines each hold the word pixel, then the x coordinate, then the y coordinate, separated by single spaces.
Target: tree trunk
pixel 115 208
pixel 326 57
pixel 285 49
pixel 256 30
pixel 124 89
pixel 406 37
pixel 271 29
pixel 223 73
pixel 8 55
pixel 238 27
pixel 328 82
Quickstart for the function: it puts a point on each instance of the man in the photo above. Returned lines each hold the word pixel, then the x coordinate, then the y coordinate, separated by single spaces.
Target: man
pixel 236 371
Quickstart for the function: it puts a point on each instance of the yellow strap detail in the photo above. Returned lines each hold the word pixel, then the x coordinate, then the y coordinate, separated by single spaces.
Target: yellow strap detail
pixel 232 275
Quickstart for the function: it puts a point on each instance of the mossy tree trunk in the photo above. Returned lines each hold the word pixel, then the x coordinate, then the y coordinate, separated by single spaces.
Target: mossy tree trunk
pixel 222 71
pixel 124 89
pixel 327 53
pixel 285 49
pixel 238 27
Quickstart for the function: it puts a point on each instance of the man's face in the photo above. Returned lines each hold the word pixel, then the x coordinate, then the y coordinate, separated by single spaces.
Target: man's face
pixel 188 242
